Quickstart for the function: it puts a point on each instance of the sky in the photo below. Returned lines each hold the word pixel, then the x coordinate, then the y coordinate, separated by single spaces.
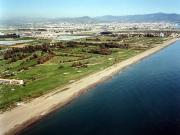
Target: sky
pixel 77 8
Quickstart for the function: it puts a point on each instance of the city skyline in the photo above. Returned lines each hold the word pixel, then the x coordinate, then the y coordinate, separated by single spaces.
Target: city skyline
pixel 72 8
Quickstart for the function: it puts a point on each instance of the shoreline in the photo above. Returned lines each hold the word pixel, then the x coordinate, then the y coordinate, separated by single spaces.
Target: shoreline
pixel 30 113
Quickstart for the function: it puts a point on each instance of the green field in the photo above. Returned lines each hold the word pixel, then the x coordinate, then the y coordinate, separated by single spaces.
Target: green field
pixel 66 65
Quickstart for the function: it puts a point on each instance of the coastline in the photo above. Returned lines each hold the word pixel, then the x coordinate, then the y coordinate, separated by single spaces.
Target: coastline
pixel 11 123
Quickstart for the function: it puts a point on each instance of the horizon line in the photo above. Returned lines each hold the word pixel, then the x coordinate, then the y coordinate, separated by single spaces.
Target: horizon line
pixel 6 17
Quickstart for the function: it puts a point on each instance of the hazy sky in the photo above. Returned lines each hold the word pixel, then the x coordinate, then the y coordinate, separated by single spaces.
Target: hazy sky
pixel 74 8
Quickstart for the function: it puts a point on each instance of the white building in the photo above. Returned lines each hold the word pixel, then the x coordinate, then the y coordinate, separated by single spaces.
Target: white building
pixel 11 81
pixel 161 34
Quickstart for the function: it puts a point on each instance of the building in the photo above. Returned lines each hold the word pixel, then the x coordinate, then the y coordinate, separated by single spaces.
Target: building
pixel 11 81
pixel 161 34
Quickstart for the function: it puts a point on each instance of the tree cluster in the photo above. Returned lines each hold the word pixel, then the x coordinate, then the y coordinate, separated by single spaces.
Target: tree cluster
pixel 20 53
pixel 13 35
pixel 80 64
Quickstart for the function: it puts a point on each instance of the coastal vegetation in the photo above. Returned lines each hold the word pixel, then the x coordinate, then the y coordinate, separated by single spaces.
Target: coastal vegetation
pixel 45 66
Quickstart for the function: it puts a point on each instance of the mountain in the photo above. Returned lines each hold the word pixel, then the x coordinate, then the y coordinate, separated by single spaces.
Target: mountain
pixel 26 20
pixel 84 19
pixel 156 17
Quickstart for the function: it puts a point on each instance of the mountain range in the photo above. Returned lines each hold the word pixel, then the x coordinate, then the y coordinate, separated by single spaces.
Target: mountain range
pixel 156 17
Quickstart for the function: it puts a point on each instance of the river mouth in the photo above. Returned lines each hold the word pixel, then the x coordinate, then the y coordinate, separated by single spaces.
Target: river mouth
pixel 143 99
pixel 13 42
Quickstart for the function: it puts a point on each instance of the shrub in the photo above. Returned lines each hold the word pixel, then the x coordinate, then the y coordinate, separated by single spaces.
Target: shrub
pixel 71 44
pixel 60 66
pixel 79 64
pixel 102 51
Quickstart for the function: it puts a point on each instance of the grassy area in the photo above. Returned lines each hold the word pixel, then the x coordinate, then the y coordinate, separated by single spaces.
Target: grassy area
pixel 58 71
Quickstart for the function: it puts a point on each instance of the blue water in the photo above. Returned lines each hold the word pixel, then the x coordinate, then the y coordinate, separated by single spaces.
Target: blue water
pixel 144 99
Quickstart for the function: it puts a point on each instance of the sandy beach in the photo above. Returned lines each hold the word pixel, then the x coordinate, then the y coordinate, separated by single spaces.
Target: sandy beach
pixel 13 121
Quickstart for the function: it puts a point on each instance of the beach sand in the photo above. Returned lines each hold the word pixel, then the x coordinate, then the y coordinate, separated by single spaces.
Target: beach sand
pixel 13 121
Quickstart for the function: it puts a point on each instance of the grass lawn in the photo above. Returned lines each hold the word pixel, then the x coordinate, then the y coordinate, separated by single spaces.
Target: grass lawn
pixel 58 71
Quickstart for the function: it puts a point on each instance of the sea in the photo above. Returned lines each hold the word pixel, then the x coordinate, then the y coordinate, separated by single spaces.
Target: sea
pixel 143 99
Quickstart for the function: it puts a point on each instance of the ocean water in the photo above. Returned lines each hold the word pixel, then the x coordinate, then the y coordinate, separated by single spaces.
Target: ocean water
pixel 143 99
